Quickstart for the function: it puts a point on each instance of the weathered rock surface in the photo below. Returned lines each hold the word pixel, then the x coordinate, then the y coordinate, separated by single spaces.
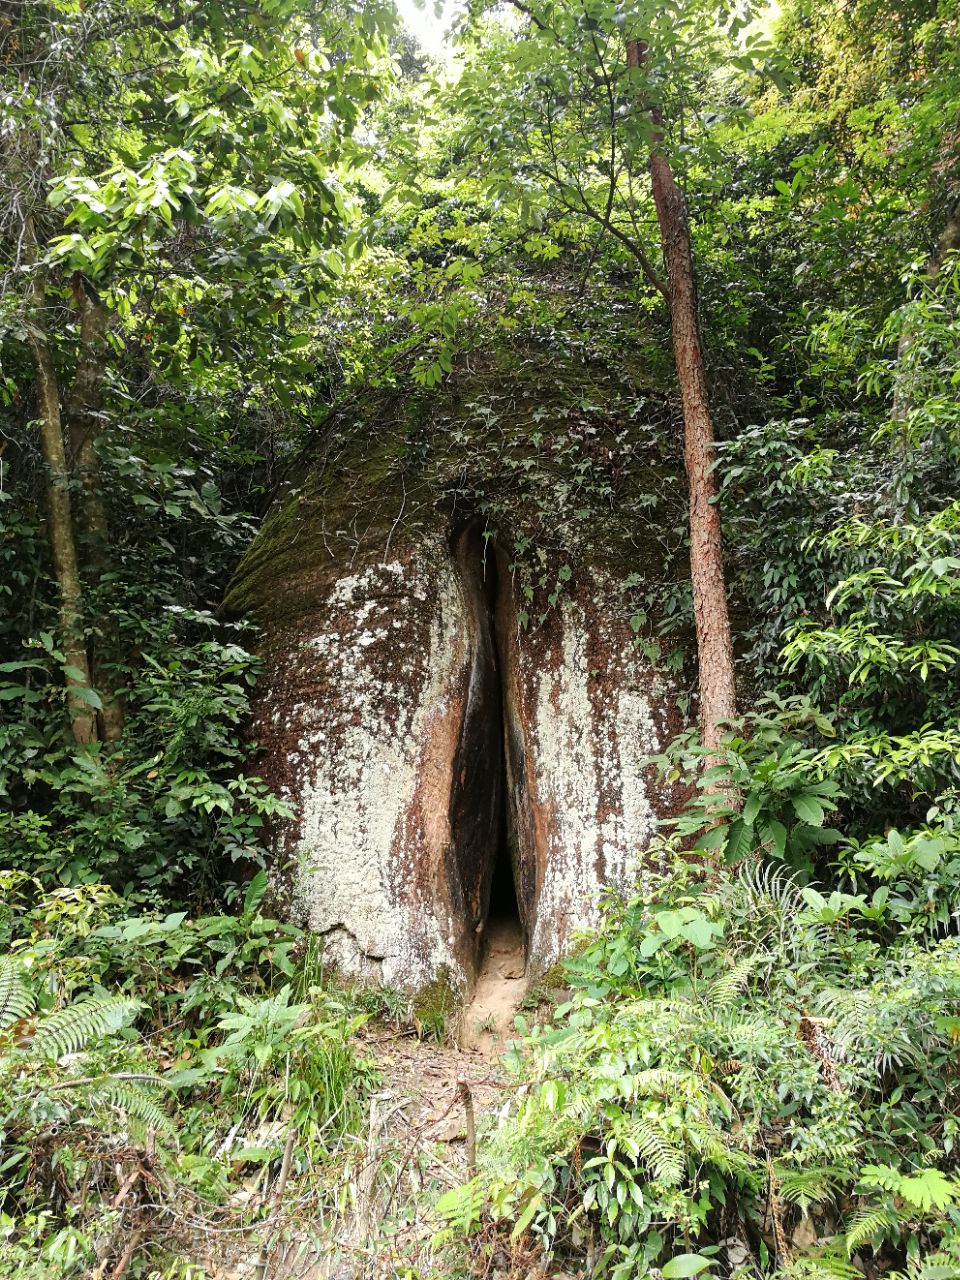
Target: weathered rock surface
pixel 583 713
pixel 417 726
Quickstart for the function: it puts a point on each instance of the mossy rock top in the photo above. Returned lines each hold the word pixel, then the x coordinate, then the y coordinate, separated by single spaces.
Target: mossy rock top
pixel 567 461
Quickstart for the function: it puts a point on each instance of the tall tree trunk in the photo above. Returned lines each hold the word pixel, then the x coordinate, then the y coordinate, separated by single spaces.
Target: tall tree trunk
pixel 714 645
pixel 84 423
pixel 63 547
pixel 903 384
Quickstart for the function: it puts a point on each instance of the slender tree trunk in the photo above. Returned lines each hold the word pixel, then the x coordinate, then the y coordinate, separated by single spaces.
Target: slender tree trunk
pixel 714 645
pixel 83 419
pixel 903 385
pixel 59 513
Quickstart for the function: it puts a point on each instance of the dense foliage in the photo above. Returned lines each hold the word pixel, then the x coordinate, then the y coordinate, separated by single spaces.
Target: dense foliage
pixel 220 222
pixel 747 1074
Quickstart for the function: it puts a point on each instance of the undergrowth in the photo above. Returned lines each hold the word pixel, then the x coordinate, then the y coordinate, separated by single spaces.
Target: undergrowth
pixel 748 1079
pixel 156 1074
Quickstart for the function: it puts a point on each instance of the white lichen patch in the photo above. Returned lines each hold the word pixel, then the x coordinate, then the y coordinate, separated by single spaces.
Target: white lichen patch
pixel 389 664
pixel 591 740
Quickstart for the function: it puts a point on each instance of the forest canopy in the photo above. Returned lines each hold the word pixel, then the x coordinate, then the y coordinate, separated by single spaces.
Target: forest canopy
pixel 247 243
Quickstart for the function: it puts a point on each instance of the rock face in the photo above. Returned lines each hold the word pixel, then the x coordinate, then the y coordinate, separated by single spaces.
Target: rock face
pixel 437 745
pixel 376 703
pixel 582 714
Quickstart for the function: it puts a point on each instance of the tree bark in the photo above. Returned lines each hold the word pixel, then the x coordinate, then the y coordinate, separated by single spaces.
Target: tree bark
pixel 63 547
pixel 83 419
pixel 903 384
pixel 714 645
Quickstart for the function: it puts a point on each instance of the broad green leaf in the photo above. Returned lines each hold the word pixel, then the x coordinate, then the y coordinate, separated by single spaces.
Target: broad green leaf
pixel 684 1265
pixel 808 809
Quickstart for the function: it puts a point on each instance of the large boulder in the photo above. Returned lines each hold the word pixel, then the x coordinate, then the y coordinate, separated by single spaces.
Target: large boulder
pixel 455 678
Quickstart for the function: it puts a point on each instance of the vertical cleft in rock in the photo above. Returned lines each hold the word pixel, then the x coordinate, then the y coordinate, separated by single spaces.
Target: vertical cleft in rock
pixel 476 797
pixel 484 847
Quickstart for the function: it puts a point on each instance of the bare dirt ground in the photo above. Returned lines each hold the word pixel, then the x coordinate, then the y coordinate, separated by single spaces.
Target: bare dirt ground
pixel 486 1022
pixel 380 1224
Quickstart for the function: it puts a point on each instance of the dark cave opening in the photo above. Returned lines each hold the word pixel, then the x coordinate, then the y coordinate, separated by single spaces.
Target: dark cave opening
pixel 503 907
pixel 481 814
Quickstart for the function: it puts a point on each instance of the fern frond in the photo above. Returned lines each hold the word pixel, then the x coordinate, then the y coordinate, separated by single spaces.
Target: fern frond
pixel 805 1187
pixel 749 1036
pixel 71 1029
pixel 664 1160
pixel 871 1026
pixel 16 998
pixel 659 1082
pixel 691 1086
pixel 724 990
pixel 764 884
pixel 717 1147
pixel 825 1266
pixel 663 1010
pixel 139 1134
pixel 136 1102
pixel 867 1225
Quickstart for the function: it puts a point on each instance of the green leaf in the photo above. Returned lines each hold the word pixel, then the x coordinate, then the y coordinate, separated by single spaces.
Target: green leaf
pixel 253 1155
pixel 10 691
pixel 89 696
pixel 808 809
pixel 651 945
pixel 684 1265
pixel 255 891
pixel 671 922
pixel 774 836
pixel 751 807
pixel 740 840
pixel 527 1216
pixel 702 933
pixel 929 1190
pixel 714 838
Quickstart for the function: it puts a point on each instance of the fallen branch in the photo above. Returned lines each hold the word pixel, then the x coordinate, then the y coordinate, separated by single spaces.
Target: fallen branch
pixel 263 1257
pixel 127 1255
pixel 466 1097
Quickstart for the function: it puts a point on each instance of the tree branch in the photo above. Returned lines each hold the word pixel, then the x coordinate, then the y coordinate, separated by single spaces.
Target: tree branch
pixel 528 12
pixel 650 273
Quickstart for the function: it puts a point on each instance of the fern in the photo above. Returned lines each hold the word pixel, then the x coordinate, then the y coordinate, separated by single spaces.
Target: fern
pixel 874 1026
pixel 690 1086
pixel 724 990
pixel 664 1160
pixel 136 1102
pixel 16 998
pixel 806 1187
pixel 462 1207
pixel 714 1145
pixel 767 895
pixel 749 1035
pixel 71 1029
pixel 658 1082
pixel 867 1225
pixel 825 1266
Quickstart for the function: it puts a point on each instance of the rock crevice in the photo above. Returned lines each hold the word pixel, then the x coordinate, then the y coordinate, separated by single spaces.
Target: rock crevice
pixel 423 733
pixel 420 732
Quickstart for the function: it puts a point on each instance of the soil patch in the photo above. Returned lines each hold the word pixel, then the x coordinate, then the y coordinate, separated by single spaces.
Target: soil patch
pixel 486 1022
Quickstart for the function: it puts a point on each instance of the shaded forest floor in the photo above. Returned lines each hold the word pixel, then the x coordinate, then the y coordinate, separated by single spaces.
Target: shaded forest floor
pixel 378 1221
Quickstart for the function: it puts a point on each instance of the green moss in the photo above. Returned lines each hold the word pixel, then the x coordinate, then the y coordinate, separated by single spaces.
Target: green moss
pixel 567 460
pixel 556 977
pixel 433 1005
